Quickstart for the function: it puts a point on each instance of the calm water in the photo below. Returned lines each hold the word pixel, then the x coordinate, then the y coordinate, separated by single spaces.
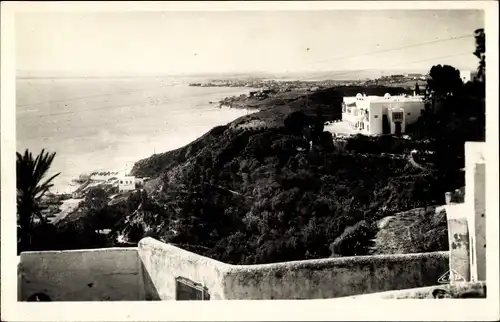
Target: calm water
pixel 107 124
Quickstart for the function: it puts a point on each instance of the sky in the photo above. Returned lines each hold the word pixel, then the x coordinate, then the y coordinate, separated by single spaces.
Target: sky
pixel 244 41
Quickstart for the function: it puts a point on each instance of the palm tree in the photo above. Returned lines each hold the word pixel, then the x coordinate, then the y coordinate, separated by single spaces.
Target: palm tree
pixel 30 190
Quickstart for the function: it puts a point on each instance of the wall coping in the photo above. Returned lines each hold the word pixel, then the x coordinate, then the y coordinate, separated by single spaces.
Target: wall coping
pixel 96 250
pixel 156 244
pixel 340 261
pixel 151 242
pixel 420 291
pixel 159 245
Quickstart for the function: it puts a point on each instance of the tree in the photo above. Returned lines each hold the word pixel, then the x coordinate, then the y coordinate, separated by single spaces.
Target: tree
pixel 295 122
pixel 30 190
pixel 95 202
pixel 480 53
pixel 444 81
pixel 443 85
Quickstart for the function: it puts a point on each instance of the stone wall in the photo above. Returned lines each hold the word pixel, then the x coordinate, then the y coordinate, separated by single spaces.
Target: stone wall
pixel 456 290
pixel 110 274
pixel 162 264
pixel 335 277
pixel 311 279
pixel 159 271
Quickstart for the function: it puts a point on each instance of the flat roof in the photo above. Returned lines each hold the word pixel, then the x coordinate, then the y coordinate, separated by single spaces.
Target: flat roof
pixel 394 98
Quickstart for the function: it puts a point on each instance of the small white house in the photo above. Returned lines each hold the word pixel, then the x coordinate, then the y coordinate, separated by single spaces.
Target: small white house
pixel 126 183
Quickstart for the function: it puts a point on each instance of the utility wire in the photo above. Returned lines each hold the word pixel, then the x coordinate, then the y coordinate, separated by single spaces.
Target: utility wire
pixel 395 48
pixel 394 65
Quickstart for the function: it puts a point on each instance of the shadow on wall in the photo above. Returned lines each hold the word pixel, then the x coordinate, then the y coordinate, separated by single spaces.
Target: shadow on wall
pixel 151 293
pixel 172 273
pixel 156 271
pixel 110 274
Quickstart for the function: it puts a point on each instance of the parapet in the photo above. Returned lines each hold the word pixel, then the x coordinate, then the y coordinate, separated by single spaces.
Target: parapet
pixel 156 271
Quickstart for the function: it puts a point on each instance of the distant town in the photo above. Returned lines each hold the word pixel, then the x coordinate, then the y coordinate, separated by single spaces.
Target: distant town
pixel 288 85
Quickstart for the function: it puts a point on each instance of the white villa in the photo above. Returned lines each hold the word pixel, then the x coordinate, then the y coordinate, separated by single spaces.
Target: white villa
pixel 374 115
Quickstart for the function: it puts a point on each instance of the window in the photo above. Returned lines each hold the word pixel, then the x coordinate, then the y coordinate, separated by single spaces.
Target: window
pixel 375 116
pixel 397 116
pixel 408 113
pixel 187 290
pixel 121 182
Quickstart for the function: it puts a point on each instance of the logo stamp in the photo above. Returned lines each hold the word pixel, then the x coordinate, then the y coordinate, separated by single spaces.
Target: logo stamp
pixel 451 276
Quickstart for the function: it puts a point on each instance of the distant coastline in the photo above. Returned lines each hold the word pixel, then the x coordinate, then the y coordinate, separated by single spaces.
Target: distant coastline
pixel 85 134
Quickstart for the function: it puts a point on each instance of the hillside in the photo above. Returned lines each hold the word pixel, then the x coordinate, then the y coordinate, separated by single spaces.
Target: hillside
pixel 271 187
pixel 256 191
pixel 263 196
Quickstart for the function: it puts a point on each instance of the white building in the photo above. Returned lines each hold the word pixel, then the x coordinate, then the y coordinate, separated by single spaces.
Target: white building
pixel 119 180
pixel 367 114
pixel 126 183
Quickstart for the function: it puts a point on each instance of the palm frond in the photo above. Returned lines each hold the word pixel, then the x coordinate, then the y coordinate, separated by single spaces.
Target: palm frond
pixel 31 186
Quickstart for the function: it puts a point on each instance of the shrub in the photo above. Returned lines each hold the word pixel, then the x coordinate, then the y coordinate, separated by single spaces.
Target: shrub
pixel 355 240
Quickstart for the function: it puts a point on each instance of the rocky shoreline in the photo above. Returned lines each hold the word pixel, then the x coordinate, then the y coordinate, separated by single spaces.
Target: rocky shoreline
pixel 268 88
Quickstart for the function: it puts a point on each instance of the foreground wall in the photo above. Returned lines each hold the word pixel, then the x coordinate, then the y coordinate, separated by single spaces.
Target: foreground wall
pixel 456 290
pixel 335 277
pixel 475 201
pixel 110 274
pixel 159 271
pixel 164 264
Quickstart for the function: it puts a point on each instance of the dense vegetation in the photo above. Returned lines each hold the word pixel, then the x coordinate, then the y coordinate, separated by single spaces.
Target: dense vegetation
pixel 272 186
pixel 264 194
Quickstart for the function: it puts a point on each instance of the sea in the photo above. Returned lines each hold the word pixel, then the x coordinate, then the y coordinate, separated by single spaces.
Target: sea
pixel 107 124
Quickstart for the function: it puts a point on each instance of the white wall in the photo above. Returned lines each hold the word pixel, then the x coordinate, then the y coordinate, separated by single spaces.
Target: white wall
pixel 475 191
pixel 82 275
pixel 334 277
pixel 310 279
pixel 412 110
pixel 376 117
pixel 458 238
pixel 163 263
pixel 126 183
pixel 149 272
